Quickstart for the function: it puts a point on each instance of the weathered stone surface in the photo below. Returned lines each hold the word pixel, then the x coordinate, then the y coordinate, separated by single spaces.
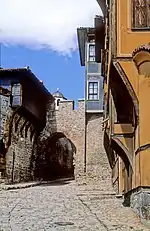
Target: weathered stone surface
pixel 140 202
pixel 65 206
pixel 19 154
pixel 4 105
pixel 85 131
pixel 72 123
pixel 98 169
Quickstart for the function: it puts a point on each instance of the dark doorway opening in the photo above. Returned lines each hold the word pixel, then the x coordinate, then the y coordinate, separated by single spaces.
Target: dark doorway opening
pixel 55 157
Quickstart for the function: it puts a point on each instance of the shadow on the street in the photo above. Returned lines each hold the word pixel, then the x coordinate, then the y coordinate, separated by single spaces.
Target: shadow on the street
pixel 57 182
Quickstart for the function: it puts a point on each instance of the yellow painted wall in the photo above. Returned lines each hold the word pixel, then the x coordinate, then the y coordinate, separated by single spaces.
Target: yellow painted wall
pixel 131 72
pixel 145 167
pixel 144 109
pixel 137 170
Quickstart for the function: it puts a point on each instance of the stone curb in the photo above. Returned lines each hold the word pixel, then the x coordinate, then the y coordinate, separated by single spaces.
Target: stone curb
pixel 18 186
pixel 30 184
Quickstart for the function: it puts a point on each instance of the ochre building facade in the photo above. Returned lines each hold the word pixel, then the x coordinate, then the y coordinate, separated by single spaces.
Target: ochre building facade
pixel 122 38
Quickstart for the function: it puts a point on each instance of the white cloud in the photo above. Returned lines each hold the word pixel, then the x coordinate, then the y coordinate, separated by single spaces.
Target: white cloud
pixel 45 23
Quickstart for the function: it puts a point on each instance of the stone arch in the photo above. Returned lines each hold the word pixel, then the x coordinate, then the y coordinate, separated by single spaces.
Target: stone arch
pixel 32 131
pixel 55 157
pixel 23 129
pixel 20 124
pixel 9 127
pixel 2 157
pixel 17 120
pixel 27 128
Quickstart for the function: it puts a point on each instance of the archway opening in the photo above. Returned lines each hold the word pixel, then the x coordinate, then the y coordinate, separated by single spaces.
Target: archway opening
pixel 56 157
pixel 2 158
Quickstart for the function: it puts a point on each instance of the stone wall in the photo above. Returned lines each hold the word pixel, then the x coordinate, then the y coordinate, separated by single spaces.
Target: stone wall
pixel 139 200
pixel 21 153
pixel 4 105
pixel 23 160
pixel 85 131
pixel 51 125
pixel 98 169
pixel 72 123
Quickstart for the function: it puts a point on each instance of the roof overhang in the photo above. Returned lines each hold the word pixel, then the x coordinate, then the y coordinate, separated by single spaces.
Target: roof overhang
pixel 21 75
pixel 82 34
pixel 102 4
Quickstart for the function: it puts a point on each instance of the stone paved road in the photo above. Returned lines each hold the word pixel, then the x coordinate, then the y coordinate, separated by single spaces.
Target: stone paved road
pixel 64 206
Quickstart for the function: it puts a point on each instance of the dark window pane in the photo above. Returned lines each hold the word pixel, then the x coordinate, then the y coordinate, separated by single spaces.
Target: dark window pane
pixel 58 102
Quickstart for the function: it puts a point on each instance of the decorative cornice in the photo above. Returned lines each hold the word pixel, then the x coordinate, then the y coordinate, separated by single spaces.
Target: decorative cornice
pixel 141 58
pixel 144 47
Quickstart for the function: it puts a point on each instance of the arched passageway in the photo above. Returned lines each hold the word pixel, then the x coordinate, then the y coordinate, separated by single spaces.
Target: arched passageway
pixel 2 158
pixel 55 157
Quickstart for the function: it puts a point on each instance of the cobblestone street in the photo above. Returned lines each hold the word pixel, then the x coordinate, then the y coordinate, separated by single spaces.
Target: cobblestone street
pixel 64 206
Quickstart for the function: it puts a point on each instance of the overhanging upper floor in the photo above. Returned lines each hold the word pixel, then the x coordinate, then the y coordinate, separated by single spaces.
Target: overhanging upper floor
pixel 26 91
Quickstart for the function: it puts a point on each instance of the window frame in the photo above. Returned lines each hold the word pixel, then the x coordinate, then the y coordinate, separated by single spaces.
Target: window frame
pixel 134 25
pixel 88 52
pixel 14 95
pixel 92 94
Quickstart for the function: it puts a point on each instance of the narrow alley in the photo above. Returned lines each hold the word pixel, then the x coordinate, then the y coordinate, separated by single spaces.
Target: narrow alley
pixel 64 205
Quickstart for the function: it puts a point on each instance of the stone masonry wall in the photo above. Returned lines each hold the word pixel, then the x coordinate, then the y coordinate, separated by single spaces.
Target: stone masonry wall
pixel 98 169
pixel 88 141
pixel 71 122
pixel 51 125
pixel 20 156
pixel 4 105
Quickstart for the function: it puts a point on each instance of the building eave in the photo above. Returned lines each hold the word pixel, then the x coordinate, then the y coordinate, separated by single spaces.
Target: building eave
pixel 22 73
pixel 82 35
pixel 102 4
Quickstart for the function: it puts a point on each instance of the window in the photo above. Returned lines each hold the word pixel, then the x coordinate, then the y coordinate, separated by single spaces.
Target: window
pixel 92 52
pixel 58 102
pixel 141 14
pixel 16 94
pixel 93 90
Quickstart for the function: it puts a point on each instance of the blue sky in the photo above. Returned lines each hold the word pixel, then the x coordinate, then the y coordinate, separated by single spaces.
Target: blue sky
pixel 41 34
pixel 55 70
